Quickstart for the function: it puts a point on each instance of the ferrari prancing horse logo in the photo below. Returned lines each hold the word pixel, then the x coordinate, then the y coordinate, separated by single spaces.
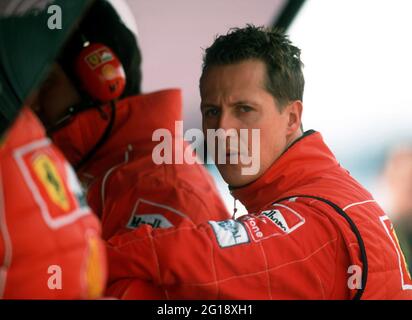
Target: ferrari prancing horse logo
pixel 47 173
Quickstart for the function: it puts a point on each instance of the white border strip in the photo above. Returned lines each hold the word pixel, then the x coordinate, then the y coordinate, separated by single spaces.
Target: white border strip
pixel 357 203
pixel 8 249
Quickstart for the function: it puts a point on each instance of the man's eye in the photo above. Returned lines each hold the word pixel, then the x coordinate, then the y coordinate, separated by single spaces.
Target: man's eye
pixel 212 112
pixel 245 109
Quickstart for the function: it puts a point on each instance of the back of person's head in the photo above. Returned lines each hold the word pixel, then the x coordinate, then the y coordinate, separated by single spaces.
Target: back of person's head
pixel 102 24
pixel 285 79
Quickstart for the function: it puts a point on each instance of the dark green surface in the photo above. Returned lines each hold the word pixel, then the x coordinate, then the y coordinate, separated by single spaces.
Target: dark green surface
pixel 27 48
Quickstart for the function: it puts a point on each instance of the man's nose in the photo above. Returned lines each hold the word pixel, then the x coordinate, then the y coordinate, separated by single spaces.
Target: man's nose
pixel 227 121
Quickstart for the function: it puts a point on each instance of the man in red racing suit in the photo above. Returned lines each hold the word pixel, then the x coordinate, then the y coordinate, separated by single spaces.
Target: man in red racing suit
pixel 125 187
pixel 297 248
pixel 312 231
pixel 50 246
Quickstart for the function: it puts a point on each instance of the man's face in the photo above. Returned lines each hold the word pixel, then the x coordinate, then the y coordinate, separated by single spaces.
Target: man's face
pixel 54 96
pixel 234 97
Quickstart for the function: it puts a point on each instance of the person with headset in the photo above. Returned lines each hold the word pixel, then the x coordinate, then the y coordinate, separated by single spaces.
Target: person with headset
pixel 94 111
pixel 50 243
pixel 312 231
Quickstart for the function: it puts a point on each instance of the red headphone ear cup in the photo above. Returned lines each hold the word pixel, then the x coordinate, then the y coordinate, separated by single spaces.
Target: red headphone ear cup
pixel 100 72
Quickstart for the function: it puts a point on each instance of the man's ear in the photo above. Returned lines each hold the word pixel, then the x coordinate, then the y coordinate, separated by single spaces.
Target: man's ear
pixel 294 114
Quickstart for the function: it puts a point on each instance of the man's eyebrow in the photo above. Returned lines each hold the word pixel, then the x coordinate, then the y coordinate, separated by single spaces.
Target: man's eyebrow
pixel 243 102
pixel 236 103
pixel 208 105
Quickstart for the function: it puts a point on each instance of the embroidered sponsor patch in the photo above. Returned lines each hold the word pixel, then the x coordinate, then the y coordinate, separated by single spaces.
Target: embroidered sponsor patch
pixel 229 233
pixel 278 219
pixel 98 57
pixel 49 178
pixel 273 222
pixel 285 218
pixel 257 227
pixel 155 220
pixel 95 271
pixel 155 214
pixel 52 182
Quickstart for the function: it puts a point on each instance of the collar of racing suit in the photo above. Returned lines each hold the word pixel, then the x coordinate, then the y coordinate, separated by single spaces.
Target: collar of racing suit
pixel 137 117
pixel 305 159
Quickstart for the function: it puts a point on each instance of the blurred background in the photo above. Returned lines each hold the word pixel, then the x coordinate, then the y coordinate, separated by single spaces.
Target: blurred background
pixel 358 68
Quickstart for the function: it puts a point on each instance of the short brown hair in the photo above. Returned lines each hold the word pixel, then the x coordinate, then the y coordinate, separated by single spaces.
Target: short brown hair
pixel 285 79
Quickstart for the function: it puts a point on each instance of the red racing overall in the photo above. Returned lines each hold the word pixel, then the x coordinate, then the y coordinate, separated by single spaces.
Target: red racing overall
pixel 50 246
pixel 298 248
